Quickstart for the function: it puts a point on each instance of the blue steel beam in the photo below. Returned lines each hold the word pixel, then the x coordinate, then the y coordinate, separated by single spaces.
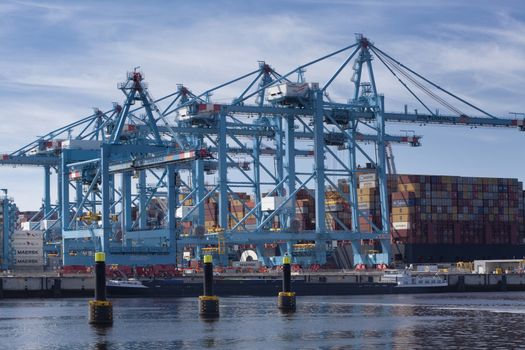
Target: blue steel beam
pixel 171 178
pixel 47 190
pixel 319 168
pixel 223 173
pixel 289 164
pixel 105 152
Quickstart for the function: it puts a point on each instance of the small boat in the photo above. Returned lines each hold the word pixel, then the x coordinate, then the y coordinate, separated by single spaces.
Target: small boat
pixel 131 284
pixel 406 279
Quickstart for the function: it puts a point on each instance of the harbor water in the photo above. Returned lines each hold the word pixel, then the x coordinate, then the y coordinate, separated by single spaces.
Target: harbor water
pixel 424 321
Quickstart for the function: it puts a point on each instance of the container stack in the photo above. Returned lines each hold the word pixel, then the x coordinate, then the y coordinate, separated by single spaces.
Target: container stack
pixel 210 214
pixel 424 210
pixel 236 208
pixel 338 212
pixel 305 209
pixel 239 205
pixel 368 202
pixel 250 223
pixel 27 249
pixel 239 208
pixel 457 210
pixel 370 208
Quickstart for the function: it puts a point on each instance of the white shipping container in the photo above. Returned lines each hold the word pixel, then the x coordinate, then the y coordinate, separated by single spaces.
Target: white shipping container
pixel 401 225
pixel 183 211
pixel 367 177
pixel 271 203
pixel 19 243
pixel 367 184
pixel 47 224
pixel 29 260
pixel 30 225
pixel 81 144
pixel 250 227
pixel 29 251
pixel 27 235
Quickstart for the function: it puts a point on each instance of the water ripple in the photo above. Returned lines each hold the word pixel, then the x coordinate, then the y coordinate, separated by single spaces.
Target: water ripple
pixel 451 321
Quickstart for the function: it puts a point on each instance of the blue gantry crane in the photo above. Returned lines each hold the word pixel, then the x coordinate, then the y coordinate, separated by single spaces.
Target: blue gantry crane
pixel 280 136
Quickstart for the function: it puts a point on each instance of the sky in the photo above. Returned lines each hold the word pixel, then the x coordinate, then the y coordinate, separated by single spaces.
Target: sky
pixel 60 59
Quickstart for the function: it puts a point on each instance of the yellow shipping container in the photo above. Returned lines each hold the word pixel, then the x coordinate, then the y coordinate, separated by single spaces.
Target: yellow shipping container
pixel 366 198
pixel 402 218
pixel 403 210
pixel 410 187
pixel 367 184
pixel 332 195
pixel 366 191
pixel 188 201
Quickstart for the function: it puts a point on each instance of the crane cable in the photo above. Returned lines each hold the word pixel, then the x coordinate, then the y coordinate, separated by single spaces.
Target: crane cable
pixel 418 84
pixel 430 93
pixel 405 85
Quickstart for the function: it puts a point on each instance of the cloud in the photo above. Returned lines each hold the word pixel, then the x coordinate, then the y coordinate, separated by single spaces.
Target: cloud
pixel 58 59
pixel 509 29
pixel 51 12
pixel 486 71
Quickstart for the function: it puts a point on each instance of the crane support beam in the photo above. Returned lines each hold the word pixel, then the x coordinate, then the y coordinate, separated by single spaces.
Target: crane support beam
pixel 159 161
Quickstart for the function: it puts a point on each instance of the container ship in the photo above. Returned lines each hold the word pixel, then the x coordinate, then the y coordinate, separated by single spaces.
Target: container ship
pixel 450 218
pixel 434 218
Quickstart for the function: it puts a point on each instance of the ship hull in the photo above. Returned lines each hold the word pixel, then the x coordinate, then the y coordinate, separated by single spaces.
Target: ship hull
pixel 180 288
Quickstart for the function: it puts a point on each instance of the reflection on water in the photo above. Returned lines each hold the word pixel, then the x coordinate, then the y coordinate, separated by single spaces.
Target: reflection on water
pixel 100 334
pixel 482 320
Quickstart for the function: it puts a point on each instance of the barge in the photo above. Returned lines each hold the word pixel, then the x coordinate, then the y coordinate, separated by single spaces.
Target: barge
pixel 317 284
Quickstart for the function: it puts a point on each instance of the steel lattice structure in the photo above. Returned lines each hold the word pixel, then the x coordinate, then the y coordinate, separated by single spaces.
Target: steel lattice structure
pixel 192 149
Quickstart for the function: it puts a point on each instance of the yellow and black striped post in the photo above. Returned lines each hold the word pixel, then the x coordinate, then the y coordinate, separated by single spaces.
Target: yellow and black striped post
pixel 208 303
pixel 100 309
pixel 286 298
